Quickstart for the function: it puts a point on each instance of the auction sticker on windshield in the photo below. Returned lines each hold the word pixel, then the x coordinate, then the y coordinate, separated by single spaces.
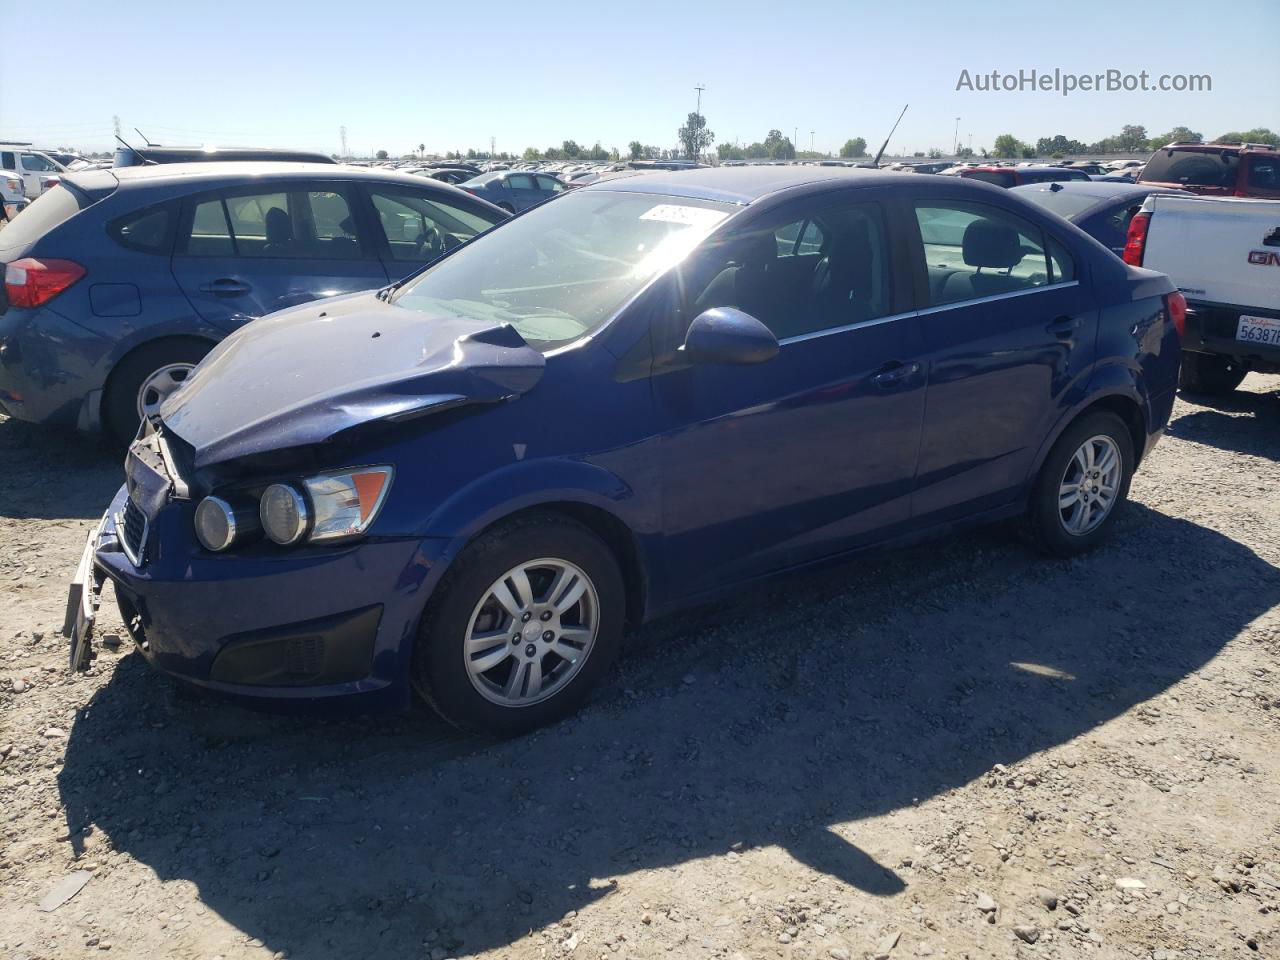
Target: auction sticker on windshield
pixel 688 216
pixel 1258 330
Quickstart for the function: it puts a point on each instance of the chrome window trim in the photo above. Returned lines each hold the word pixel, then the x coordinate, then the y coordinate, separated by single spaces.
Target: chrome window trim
pixel 1000 296
pixel 875 321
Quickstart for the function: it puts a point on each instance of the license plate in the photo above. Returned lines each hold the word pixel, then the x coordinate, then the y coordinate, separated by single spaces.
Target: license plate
pixel 84 594
pixel 1264 330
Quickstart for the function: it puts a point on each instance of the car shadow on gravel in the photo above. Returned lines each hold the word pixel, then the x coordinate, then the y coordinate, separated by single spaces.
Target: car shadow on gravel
pixel 1243 422
pixel 786 718
pixel 55 474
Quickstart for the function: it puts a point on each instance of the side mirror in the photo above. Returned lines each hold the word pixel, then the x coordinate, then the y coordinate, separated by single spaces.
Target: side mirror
pixel 726 335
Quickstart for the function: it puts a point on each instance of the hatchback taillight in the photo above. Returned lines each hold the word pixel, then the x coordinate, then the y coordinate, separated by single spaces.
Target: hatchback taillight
pixel 34 281
pixel 1177 304
pixel 1135 242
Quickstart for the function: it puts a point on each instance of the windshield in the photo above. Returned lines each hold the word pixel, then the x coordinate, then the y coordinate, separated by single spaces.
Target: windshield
pixel 1064 203
pixel 1192 168
pixel 565 268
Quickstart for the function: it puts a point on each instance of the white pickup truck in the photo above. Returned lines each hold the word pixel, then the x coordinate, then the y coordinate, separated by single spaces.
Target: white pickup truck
pixel 1224 255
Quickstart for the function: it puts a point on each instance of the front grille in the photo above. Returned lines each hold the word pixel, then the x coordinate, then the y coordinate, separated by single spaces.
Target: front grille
pixel 133 532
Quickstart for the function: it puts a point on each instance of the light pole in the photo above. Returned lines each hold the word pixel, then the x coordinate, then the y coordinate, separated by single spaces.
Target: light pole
pixel 698 109
pixel 811 141
pixel 955 138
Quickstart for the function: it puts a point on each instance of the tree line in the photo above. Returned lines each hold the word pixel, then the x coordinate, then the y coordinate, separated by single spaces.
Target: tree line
pixel 695 140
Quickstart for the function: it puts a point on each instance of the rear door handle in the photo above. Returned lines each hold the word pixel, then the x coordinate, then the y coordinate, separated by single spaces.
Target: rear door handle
pixel 895 374
pixel 225 287
pixel 1062 327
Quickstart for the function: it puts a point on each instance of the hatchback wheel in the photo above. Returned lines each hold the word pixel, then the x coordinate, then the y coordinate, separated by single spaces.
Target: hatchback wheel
pixel 1082 484
pixel 144 380
pixel 525 623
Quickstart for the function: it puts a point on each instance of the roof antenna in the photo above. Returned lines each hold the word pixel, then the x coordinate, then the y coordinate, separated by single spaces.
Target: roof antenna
pixel 884 146
pixel 136 152
pixel 145 138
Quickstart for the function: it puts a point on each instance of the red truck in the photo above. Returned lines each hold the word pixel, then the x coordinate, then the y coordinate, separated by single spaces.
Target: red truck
pixel 1217 169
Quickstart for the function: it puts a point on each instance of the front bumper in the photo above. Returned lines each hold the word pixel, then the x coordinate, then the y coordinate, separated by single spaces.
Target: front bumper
pixel 290 624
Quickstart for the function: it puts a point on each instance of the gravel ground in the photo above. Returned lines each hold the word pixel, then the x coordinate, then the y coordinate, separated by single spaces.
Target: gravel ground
pixel 960 750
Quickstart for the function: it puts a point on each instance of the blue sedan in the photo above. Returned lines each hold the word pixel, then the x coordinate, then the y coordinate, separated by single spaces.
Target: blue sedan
pixel 652 391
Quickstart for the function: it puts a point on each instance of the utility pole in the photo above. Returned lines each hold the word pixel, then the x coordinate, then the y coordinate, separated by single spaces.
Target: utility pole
pixel 342 135
pixel 955 138
pixel 811 141
pixel 795 136
pixel 493 146
pixel 699 87
pixel 115 122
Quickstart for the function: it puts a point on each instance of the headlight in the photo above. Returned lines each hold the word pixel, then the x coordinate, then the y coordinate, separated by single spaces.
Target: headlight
pixel 219 523
pixel 345 502
pixel 284 513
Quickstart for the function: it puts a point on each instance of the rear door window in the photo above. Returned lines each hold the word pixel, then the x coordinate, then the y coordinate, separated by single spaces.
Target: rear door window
pixel 294 224
pixel 521 181
pixel 550 184
pixel 975 250
pixel 209 236
pixel 1262 177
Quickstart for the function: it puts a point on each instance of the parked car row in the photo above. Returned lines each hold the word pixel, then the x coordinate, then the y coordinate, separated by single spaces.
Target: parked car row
pixel 648 391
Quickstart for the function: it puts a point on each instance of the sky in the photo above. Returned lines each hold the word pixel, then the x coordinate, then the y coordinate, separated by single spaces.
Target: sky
pixel 451 76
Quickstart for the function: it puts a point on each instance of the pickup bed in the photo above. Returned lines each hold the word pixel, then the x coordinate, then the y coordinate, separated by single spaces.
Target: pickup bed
pixel 1224 255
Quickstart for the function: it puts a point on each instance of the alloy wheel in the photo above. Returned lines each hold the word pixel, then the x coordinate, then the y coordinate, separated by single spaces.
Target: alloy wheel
pixel 1088 489
pixel 531 632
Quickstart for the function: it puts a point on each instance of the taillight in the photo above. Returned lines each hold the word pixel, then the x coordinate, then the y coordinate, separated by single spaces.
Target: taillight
pixel 1177 305
pixel 34 281
pixel 1135 242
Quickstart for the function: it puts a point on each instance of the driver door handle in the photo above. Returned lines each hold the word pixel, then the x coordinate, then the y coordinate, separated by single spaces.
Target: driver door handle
pixel 895 373
pixel 225 287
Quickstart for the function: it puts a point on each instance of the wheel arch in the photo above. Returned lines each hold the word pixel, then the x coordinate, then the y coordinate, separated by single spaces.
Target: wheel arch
pixel 97 417
pixel 136 348
pixel 610 528
pixel 1127 404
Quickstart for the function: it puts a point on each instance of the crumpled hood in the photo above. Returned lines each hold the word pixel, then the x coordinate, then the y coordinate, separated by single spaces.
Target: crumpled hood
pixel 302 375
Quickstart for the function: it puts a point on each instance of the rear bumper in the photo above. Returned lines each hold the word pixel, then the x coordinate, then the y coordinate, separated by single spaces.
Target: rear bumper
pixel 288 625
pixel 1211 328
pixel 51 370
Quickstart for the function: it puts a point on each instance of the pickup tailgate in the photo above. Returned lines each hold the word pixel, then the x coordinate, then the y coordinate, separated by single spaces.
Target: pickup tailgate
pixel 1220 251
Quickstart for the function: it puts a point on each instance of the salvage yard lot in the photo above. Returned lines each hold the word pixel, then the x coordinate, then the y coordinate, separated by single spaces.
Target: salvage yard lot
pixel 962 749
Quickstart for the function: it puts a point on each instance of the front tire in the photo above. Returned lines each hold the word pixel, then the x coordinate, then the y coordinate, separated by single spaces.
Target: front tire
pixel 526 622
pixel 1209 374
pixel 1082 485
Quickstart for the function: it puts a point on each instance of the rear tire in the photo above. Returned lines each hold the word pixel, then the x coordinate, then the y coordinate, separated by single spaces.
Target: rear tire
pixel 448 656
pixel 120 417
pixel 1208 374
pixel 1068 514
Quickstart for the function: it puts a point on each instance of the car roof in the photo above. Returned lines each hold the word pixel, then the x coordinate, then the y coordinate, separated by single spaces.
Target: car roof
pixel 742 185
pixel 217 172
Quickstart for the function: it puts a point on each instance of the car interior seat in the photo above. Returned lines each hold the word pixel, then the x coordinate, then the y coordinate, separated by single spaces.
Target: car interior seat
pixel 987 245
pixel 279 230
